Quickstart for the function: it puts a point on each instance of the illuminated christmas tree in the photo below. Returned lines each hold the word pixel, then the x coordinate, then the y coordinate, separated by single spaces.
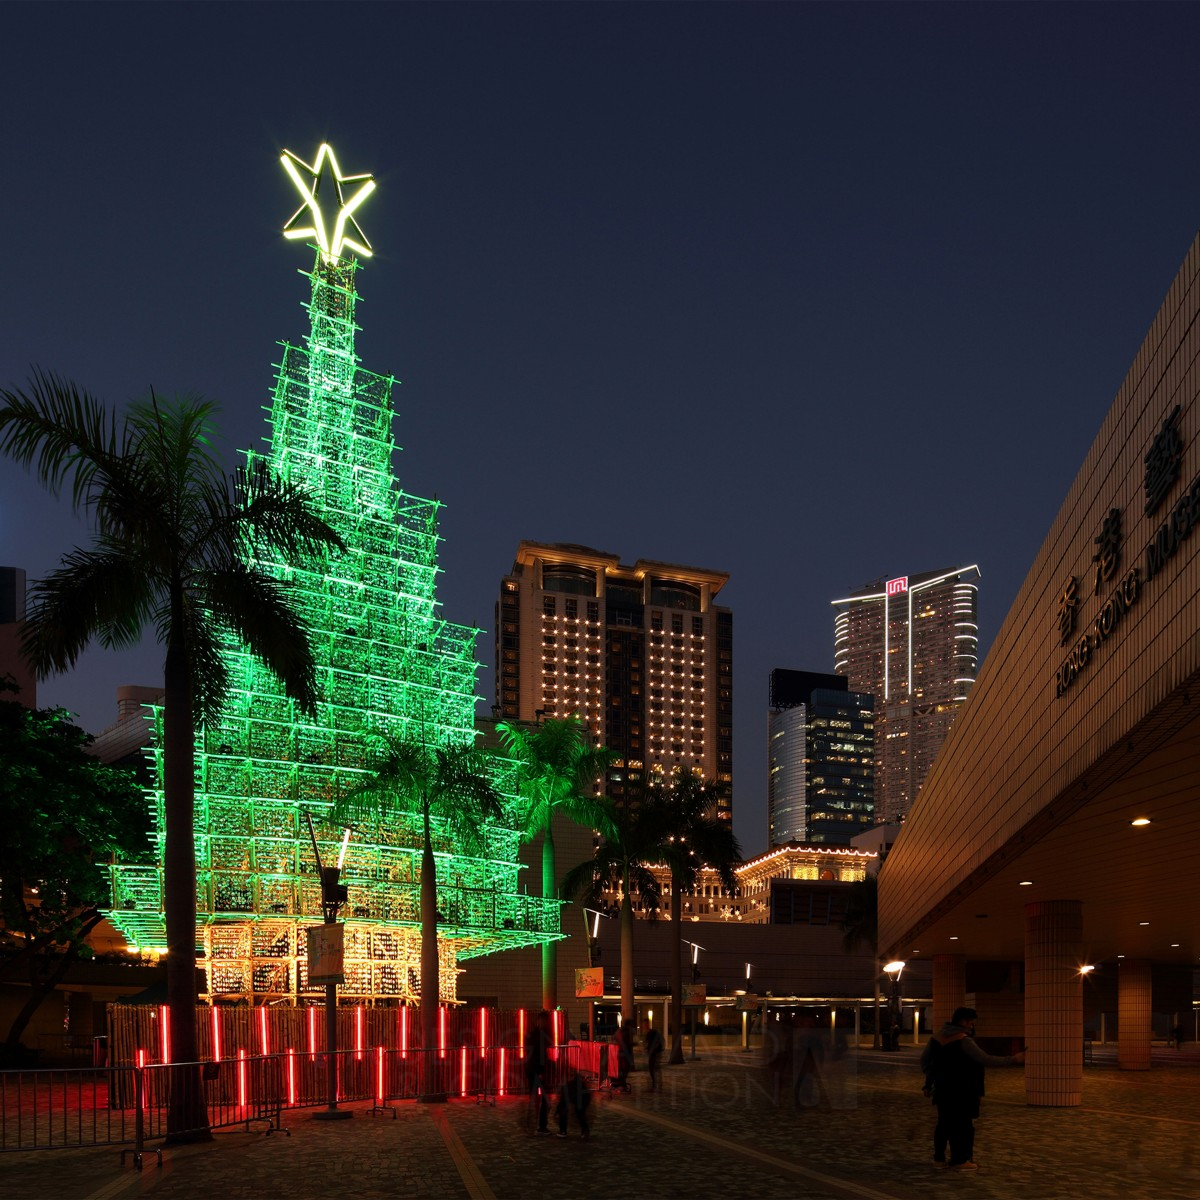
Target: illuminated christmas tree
pixel 388 663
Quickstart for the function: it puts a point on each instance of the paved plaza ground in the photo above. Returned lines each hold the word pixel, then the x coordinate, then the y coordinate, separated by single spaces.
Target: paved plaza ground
pixel 714 1129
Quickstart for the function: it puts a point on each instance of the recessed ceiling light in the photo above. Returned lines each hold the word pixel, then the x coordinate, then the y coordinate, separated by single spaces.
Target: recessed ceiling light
pixel 1120 956
pixel 1025 883
pixel 1143 922
pixel 1174 945
pixel 954 937
pixel 1140 821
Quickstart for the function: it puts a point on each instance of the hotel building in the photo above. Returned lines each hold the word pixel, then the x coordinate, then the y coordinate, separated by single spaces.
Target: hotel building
pixel 821 759
pixel 912 642
pixel 640 653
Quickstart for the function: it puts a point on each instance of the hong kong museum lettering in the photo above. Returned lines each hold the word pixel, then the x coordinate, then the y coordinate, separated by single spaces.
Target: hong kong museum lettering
pixel 1112 585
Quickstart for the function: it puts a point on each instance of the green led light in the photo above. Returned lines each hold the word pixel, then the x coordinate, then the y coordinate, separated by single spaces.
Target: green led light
pixel 387 662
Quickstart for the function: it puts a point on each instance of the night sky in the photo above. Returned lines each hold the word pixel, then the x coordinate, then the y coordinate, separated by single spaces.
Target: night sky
pixel 810 294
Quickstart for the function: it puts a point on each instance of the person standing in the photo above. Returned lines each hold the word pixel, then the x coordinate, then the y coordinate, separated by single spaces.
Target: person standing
pixel 653 1043
pixel 954 1065
pixel 537 1067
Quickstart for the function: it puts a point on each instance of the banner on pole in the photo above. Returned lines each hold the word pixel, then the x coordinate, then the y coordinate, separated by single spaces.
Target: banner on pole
pixel 325 954
pixel 589 981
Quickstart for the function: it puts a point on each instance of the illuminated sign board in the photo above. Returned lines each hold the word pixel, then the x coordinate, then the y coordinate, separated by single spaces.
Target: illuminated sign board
pixel 896 586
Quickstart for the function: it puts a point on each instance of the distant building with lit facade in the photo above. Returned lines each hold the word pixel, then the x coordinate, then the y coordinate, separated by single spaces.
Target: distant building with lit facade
pixel 640 653
pixel 821 759
pixel 912 642
pixel 786 885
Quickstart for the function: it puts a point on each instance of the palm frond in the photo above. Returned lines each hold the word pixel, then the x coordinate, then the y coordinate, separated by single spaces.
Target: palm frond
pixel 61 433
pixel 271 513
pixel 262 613
pixel 93 593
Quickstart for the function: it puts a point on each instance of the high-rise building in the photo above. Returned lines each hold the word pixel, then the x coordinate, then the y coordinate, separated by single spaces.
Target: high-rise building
pixel 640 653
pixel 821 760
pixel 912 642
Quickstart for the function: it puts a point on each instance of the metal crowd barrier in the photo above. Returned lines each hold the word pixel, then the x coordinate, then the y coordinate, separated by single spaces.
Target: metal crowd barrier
pixel 133 1106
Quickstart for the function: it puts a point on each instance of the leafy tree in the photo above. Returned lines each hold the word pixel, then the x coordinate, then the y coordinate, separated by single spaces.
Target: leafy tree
pixel 62 813
pixel 450 788
pixel 631 843
pixel 692 837
pixel 557 768
pixel 177 547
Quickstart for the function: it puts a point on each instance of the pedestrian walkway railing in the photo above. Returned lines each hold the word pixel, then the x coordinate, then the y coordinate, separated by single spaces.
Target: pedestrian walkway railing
pixel 137 1105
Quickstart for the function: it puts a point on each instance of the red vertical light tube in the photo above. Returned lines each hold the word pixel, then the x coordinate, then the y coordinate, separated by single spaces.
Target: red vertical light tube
pixel 164 1016
pixel 216 1031
pixel 482 1032
pixel 291 1061
pixel 442 1032
pixel 358 1031
pixel 242 1078
pixel 462 1079
pixel 404 1032
pixel 379 1076
pixel 312 1031
pixel 262 1028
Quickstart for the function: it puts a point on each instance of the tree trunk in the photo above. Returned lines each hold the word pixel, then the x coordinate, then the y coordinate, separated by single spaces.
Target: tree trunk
pixel 676 973
pixel 39 989
pixel 550 892
pixel 187 1119
pixel 430 974
pixel 628 1004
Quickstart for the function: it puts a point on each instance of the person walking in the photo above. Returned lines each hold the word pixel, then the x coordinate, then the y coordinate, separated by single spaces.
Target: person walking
pixel 573 1097
pixel 537 1067
pixel 954 1065
pixel 652 1042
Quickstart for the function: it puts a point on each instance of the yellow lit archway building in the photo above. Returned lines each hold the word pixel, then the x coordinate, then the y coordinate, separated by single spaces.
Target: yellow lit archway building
pixel 1059 825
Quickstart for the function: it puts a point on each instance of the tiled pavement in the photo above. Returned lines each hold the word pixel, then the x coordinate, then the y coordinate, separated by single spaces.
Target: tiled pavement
pixel 714 1130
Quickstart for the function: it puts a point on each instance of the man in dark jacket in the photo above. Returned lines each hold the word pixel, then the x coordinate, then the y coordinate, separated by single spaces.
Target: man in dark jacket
pixel 954 1064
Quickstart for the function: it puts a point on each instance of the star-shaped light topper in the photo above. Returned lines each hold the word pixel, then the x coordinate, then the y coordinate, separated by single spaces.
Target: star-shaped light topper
pixel 309 221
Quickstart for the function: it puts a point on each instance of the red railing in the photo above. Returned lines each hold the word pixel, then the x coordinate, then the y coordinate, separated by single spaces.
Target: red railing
pixel 135 1105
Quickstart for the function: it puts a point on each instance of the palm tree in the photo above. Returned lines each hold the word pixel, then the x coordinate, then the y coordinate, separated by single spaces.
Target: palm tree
pixel 450 786
pixel 630 845
pixel 694 837
pixel 557 769
pixel 176 548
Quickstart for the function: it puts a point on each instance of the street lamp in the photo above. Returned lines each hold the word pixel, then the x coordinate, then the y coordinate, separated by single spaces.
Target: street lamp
pixel 326 943
pixel 696 948
pixel 893 971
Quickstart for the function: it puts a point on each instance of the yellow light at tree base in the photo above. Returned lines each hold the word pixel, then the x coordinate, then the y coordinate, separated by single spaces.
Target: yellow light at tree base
pixel 326 218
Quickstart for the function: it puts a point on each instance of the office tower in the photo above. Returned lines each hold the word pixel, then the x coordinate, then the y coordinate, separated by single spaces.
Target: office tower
pixel 912 642
pixel 821 760
pixel 640 653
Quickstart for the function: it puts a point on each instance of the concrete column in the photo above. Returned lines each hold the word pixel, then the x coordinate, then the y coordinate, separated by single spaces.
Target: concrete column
pixel 1053 1003
pixel 949 988
pixel 1133 1014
